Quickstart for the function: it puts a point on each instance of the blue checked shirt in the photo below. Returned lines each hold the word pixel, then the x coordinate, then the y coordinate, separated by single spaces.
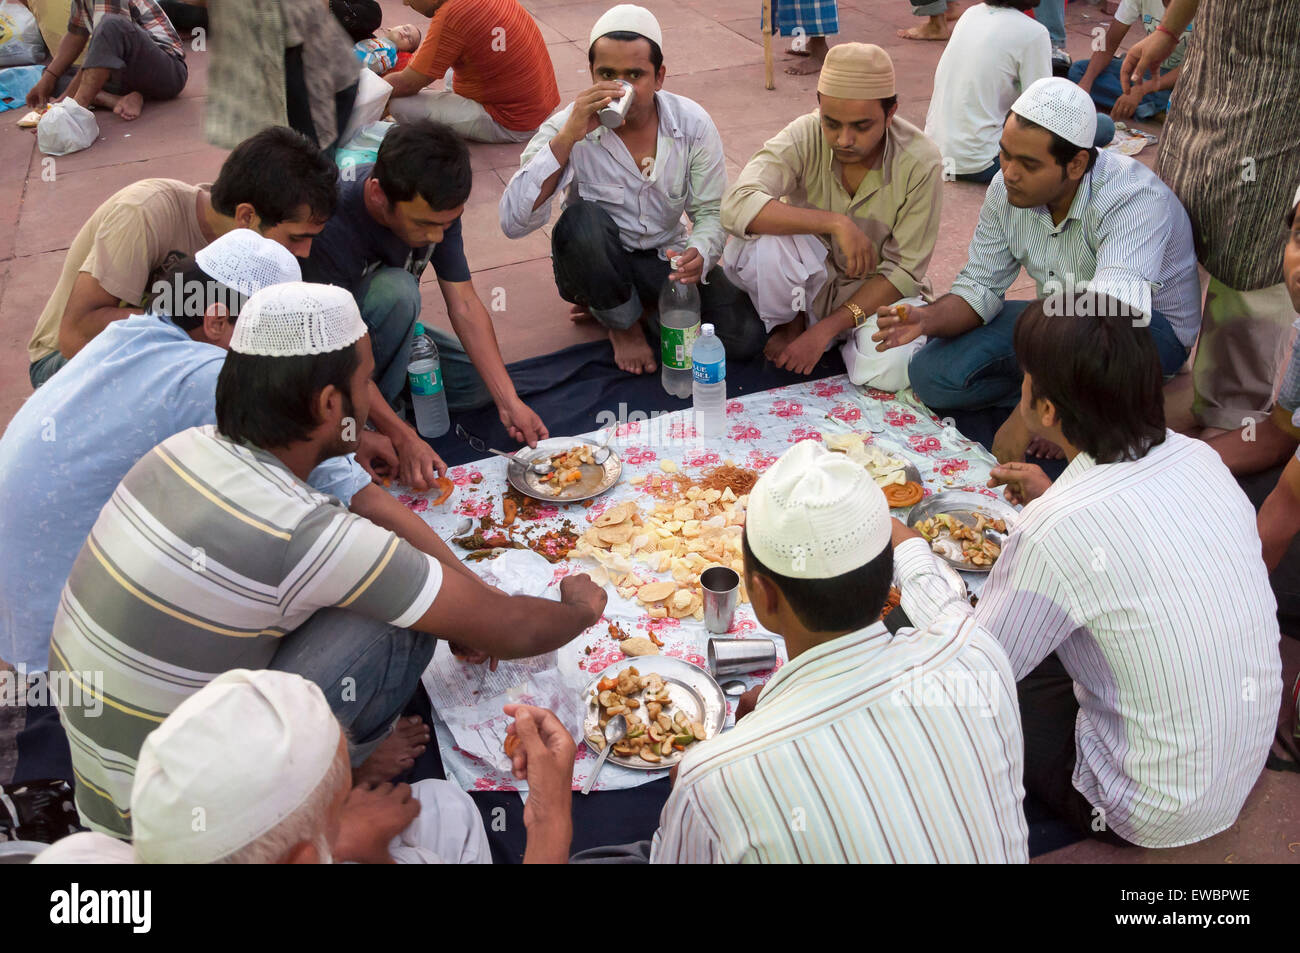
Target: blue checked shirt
pixel 810 17
pixel 1126 235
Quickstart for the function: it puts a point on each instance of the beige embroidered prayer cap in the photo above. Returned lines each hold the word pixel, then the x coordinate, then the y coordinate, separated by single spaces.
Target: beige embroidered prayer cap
pixel 857 71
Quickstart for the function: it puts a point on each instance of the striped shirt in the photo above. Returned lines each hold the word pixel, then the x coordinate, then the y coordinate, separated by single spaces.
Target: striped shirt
pixel 205 556
pixel 689 176
pixel 1145 577
pixel 86 15
pixel 870 748
pixel 1126 235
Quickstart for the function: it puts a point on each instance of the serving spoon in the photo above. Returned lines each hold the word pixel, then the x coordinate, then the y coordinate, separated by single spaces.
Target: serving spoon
pixel 614 732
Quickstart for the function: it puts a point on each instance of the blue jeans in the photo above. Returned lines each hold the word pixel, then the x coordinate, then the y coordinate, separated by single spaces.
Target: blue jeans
pixel 1106 89
pixel 1051 14
pixel 1105 133
pixel 980 369
pixel 367 670
pixel 38 372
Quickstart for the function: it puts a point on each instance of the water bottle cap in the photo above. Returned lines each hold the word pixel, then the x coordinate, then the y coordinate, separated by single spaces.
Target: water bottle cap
pixel 706 330
pixel 419 329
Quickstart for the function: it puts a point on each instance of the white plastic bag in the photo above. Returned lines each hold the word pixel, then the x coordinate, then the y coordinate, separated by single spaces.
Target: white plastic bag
pixel 883 370
pixel 20 36
pixel 66 127
pixel 369 106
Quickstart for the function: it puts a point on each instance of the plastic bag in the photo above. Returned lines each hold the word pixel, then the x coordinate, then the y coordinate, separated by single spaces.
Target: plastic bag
pixel 883 370
pixel 362 148
pixel 15 83
pixel 67 127
pixel 20 36
pixel 369 106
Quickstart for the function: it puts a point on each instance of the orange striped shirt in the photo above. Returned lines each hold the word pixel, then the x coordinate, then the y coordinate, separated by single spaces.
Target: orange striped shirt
pixel 499 57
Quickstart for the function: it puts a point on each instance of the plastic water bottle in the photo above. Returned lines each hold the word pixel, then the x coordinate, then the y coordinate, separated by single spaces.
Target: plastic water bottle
pixel 427 395
pixel 679 325
pixel 709 391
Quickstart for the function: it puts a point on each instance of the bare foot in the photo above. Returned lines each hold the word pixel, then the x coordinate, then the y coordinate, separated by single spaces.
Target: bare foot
pixel 935 28
pixel 793 51
pixel 579 313
pixel 782 337
pixel 1038 447
pixel 631 352
pixel 130 106
pixel 814 55
pixel 395 754
pixel 812 64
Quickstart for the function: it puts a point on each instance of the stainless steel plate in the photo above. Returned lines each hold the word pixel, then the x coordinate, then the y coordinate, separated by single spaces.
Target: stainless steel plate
pixel 691 689
pixel 596 478
pixel 962 505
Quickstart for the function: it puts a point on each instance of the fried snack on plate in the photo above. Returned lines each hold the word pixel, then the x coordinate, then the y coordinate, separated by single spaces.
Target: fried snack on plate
pixel 904 494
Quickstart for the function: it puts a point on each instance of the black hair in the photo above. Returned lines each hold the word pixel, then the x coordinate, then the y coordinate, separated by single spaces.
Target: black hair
pixel 188 292
pixel 271 401
pixel 424 158
pixel 277 171
pixel 842 603
pixel 1095 359
pixel 627 36
pixel 1062 150
pixel 360 18
pixel 1013 4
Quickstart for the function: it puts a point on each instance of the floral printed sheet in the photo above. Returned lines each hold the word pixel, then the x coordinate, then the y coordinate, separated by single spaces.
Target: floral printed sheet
pixel 760 427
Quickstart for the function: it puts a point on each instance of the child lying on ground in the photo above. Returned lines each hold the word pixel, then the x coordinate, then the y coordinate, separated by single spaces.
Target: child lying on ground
pixel 389 48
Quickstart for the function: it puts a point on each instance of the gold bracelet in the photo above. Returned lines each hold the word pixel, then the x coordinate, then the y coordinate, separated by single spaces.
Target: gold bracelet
pixel 859 316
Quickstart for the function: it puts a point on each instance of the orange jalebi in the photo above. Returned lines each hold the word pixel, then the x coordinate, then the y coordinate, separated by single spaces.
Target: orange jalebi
pixel 903 494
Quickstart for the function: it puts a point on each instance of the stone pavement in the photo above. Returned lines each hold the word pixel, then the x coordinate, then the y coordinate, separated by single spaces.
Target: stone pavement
pixel 713 54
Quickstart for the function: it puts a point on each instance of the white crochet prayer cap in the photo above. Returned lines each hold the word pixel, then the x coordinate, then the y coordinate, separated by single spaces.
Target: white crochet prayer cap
pixel 244 261
pixel 627 18
pixel 297 318
pixel 1060 106
pixel 816 515
pixel 229 764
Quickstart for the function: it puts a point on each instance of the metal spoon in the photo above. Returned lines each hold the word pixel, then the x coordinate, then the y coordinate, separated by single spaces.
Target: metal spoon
pixel 540 467
pixel 614 732
pixel 461 529
pixel 734 687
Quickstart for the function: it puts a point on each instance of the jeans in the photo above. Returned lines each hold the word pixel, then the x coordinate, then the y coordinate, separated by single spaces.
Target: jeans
pixel 1051 14
pixel 1105 133
pixel 368 670
pixel 41 371
pixel 1106 89
pixel 980 369
pixel 592 268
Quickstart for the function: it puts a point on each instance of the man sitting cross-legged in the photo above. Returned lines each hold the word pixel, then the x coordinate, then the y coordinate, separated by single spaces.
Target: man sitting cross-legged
pixel 213 554
pixel 1130 595
pixel 279 790
pixel 837 214
pixel 624 191
pixel 866 746
pixel 1073 217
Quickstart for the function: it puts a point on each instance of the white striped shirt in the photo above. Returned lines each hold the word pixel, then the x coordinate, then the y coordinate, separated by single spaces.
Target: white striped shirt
pixel 1145 577
pixel 1126 235
pixel 871 748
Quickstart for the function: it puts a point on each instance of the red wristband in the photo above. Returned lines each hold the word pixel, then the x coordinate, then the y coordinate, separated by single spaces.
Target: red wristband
pixel 1161 28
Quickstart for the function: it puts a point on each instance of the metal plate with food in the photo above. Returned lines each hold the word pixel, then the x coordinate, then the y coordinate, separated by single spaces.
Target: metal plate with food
pixel 575 475
pixel 675 700
pixel 980 524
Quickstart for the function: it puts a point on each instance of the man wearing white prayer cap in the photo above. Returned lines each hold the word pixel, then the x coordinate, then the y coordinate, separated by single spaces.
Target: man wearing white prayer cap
pixel 865 746
pixel 1076 219
pixel 835 217
pixel 215 553
pixel 279 789
pixel 625 183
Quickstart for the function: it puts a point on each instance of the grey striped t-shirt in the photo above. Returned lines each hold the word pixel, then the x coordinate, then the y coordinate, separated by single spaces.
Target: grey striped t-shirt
pixel 206 555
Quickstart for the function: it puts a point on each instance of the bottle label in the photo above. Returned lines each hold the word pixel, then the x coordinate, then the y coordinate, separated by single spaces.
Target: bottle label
pixel 676 345
pixel 427 384
pixel 710 373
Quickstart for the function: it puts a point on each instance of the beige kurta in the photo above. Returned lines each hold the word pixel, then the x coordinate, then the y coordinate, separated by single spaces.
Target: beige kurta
pixel 896 206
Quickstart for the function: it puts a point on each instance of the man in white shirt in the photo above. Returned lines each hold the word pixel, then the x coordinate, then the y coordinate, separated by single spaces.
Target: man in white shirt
pixel 624 191
pixel 1130 596
pixel 1099 74
pixel 995 54
pixel 866 746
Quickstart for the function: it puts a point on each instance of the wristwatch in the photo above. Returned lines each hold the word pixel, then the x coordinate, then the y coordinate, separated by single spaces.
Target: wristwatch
pixel 859 316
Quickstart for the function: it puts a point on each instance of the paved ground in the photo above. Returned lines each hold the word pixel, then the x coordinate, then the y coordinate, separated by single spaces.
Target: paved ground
pixel 714 55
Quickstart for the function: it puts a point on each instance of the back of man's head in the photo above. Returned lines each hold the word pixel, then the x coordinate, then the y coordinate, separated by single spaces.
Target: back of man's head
pixel 279 172
pixel 817 527
pixel 249 769
pixel 427 159
pixel 223 274
pixel 1095 359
